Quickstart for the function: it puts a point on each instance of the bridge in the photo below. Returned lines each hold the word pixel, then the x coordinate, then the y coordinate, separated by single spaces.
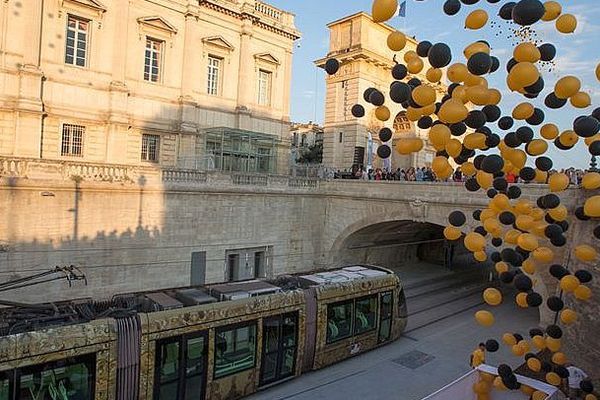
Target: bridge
pixel 136 228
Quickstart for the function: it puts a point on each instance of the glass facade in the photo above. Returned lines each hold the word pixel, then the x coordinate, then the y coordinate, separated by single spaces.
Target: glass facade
pixel 235 349
pixel 71 378
pixel 241 151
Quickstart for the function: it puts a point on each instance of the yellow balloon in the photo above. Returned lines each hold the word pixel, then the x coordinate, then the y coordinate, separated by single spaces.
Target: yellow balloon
pixel 434 75
pixel 553 344
pixel 524 222
pixel 480 256
pixel 591 181
pixel 439 136
pixel 553 378
pixel 585 253
pixel 523 207
pixel 527 51
pixel 529 266
pixel 567 317
pixel 413 114
pixel 528 242
pixel 568 138
pixel 454 147
pixel 478 95
pixel 396 41
pixel 591 208
pixel 453 111
pixel 543 254
pixel 541 176
pixel 539 342
pixel 474 141
pixel 474 242
pixel 553 10
pixel 537 147
pixel 501 267
pixel 474 80
pixel 452 233
pixel 598 71
pixel 569 283
pixel 512 236
pixel 423 95
pixel 538 395
pixel 592 139
pixel 523 111
pixel 528 390
pixel 440 165
pixel 560 358
pixel 499 385
pixel 549 131
pixel 521 300
pixel 590 397
pixel 559 213
pixel 524 74
pixel 382 113
pixel 509 339
pixel 566 23
pixel 484 179
pixel 476 47
pixel 484 318
pixel 457 73
pixel 415 65
pixel 567 86
pixel 581 100
pixel 384 10
pixel 494 96
pixel 469 169
pixel 534 364
pixel 476 19
pixel 409 55
pixel 558 182
pixel 481 387
pixel 583 293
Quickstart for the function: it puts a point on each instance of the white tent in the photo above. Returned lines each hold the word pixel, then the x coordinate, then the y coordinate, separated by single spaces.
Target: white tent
pixel 462 388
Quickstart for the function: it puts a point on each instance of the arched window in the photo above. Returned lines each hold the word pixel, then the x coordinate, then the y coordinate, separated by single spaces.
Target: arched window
pixel 401 123
pixel 303 141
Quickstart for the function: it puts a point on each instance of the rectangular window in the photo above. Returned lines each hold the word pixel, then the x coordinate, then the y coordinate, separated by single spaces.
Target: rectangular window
pixel 72 378
pixel 77 41
pixel 214 75
pixel 235 349
pixel 153 60
pixel 150 145
pixel 264 87
pixel 181 367
pixel 385 316
pixel 341 138
pixel 339 321
pixel 72 140
pixel 366 315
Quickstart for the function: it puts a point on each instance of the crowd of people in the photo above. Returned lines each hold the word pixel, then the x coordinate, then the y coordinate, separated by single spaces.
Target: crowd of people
pixel 426 174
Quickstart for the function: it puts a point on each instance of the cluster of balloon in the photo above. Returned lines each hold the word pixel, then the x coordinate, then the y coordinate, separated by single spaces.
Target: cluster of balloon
pixel 524 233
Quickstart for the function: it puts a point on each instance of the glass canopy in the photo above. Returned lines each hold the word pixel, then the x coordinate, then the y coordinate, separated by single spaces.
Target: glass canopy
pixel 240 150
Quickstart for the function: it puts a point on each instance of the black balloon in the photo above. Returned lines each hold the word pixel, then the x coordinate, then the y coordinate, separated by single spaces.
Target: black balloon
pixel 528 12
pixel 544 163
pixel 580 214
pixel 551 200
pixel 495 65
pixel 505 123
pixel 457 218
pixel 548 51
pixel 492 163
pixel 507 277
pixel 440 55
pixel 476 215
pixel 558 271
pixel 586 126
pixel 534 299
pixel 527 174
pixel 597 232
pixel 510 64
pixel 504 370
pixel 425 122
pixel 562 372
pixel 553 230
pixel 358 111
pixel 537 87
pixel 555 304
pixel 497 242
pixel 586 386
pixel 492 113
pixel 492 141
pixel 400 92
pixel 491 193
pixel 476 119
pixel 376 98
pixel 558 241
pixel 492 346
pixel 414 82
pixel 537 118
pixel 506 218
pixel 536 332
pixel 583 276
pixel 399 71
pixel 512 140
pixel 332 66
pixel 500 183
pixel 495 257
pixel 367 93
pixel 481 230
pixel 384 151
pixel 554 331
pixel 479 63
pixel 423 48
pixel 514 192
pixel 451 7
pixel 523 283
pixel 385 134
pixel 472 185
pixel 525 134
pixel 554 102
pixel 595 148
pixel 506 10
pixel 458 129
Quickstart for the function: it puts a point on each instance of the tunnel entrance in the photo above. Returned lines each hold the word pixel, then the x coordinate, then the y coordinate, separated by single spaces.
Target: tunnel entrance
pixel 440 278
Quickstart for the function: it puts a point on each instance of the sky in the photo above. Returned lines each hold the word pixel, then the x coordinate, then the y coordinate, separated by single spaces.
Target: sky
pixel 578 53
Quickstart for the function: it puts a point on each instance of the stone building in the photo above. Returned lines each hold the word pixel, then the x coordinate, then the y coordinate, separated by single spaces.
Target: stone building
pixel 361 47
pixel 303 136
pixel 172 83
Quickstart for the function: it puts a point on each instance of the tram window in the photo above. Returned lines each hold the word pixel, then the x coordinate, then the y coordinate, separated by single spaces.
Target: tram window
pixel 339 321
pixel 235 349
pixel 385 316
pixel 72 378
pixel 4 386
pixel 194 368
pixel 366 315
pixel 168 369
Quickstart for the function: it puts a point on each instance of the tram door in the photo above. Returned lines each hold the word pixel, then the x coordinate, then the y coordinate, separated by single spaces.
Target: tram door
pixel 280 341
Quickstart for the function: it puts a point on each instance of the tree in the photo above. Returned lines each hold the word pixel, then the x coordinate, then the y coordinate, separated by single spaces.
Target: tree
pixel 311 155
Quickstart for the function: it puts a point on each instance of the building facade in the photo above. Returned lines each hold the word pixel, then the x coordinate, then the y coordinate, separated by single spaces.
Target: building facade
pixel 170 83
pixel 360 45
pixel 304 137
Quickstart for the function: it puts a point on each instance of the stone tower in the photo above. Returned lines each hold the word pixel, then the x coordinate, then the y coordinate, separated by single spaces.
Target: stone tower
pixel 361 47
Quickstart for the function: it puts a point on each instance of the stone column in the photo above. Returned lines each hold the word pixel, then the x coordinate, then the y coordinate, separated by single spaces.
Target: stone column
pixel 246 78
pixel 287 64
pixel 29 107
pixel 189 82
pixel 118 119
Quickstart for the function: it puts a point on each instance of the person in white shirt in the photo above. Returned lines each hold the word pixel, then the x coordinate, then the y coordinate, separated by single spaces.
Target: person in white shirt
pixel 576 375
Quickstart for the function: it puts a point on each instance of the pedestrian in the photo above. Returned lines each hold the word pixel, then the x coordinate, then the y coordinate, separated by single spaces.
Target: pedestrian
pixel 576 376
pixel 419 175
pixel 478 356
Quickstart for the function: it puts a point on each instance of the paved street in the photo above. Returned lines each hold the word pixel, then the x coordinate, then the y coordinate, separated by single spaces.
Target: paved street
pixel 379 375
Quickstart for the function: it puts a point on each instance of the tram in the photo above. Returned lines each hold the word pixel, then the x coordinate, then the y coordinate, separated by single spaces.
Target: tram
pixel 222 341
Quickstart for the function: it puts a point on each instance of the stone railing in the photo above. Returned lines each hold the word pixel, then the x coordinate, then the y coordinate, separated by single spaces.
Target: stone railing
pixel 268 10
pixel 184 175
pixel 250 179
pixel 303 182
pixel 66 170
